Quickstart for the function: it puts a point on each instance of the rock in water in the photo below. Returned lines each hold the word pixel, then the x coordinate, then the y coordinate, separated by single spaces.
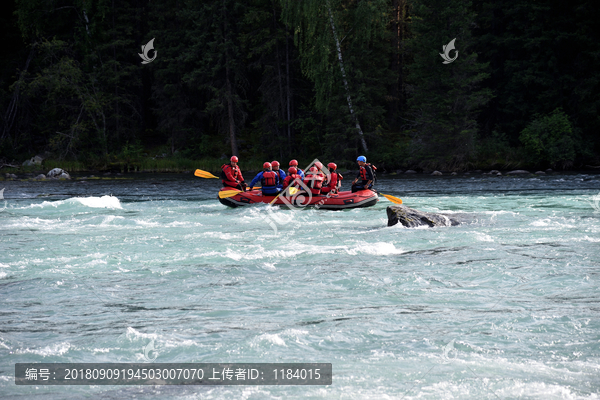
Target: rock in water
pixel 411 218
pixel 58 173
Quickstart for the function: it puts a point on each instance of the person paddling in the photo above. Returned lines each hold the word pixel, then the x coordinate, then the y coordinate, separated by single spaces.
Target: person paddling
pixel 278 171
pixel 268 179
pixel 314 180
pixel 292 179
pixel 334 183
pixel 365 174
pixel 294 164
pixel 231 175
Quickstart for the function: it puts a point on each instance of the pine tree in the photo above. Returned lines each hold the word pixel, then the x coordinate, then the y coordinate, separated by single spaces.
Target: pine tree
pixel 444 99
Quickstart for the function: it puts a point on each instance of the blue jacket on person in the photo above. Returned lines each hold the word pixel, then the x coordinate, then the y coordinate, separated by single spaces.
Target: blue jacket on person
pixel 300 172
pixel 282 176
pixel 270 190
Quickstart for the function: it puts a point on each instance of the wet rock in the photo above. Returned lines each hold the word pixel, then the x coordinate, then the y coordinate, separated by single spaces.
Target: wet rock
pixel 410 171
pixel 58 173
pixel 436 173
pixel 540 173
pixel 494 172
pixel 411 218
pixel 518 172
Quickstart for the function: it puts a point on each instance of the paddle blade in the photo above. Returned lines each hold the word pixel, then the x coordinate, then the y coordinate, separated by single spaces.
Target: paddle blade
pixel 223 194
pixel 392 198
pixel 204 174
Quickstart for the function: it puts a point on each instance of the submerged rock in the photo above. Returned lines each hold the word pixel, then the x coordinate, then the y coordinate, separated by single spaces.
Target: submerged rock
pixel 411 218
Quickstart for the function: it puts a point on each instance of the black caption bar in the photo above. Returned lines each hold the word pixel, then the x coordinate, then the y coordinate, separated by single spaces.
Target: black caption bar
pixel 173 374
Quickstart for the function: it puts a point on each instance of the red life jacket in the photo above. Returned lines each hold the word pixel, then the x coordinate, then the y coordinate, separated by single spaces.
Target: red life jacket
pixel 290 179
pixel 335 180
pixel 363 173
pixel 314 183
pixel 230 175
pixel 269 178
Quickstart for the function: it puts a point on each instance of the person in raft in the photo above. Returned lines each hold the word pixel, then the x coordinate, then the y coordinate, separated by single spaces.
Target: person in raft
pixel 314 180
pixel 268 180
pixel 292 179
pixel 294 164
pixel 334 183
pixel 231 175
pixel 365 174
pixel 280 172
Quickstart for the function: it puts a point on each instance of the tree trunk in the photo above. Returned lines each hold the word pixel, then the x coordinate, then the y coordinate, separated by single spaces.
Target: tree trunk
pixel 348 98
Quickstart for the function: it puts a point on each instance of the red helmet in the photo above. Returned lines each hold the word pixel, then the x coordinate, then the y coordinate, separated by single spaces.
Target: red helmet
pixel 267 165
pixel 313 169
pixel 332 166
pixel 293 163
pixel 292 170
pixel 233 159
pixel 275 164
pixel 319 165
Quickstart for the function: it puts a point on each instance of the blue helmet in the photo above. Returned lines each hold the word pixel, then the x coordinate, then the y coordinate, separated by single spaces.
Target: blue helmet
pixel 362 158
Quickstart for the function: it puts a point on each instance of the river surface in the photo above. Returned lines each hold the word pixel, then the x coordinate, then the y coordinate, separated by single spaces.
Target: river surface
pixel 505 305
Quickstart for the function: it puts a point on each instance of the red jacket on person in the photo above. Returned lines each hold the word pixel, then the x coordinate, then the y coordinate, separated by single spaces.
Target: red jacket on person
pixel 231 175
pixel 290 179
pixel 334 184
pixel 314 182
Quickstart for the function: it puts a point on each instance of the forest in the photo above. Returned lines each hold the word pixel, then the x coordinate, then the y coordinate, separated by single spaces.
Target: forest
pixel 303 79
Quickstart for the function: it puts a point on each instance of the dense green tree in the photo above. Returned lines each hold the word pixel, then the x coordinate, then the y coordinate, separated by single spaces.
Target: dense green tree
pixel 543 55
pixel 444 97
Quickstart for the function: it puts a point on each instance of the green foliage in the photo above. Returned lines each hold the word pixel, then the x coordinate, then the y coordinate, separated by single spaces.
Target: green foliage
pixel 265 78
pixel 550 139
pixel 444 98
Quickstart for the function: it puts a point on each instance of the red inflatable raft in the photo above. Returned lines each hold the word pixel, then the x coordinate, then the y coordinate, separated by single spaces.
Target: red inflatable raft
pixel 340 201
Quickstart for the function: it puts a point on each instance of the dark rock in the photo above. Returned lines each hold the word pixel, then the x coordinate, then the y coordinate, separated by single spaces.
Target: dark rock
pixel 411 218
pixel 518 172
pixel 494 172
pixel 549 170
pixel 58 173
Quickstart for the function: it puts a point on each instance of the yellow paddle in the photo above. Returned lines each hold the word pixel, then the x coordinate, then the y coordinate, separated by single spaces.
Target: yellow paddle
pixel 392 198
pixel 204 174
pixel 223 194
pixel 291 190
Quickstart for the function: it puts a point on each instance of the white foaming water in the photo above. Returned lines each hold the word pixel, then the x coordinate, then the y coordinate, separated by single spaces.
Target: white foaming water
pixel 93 202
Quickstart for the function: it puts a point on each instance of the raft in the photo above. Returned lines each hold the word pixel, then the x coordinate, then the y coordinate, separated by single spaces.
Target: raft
pixel 339 201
